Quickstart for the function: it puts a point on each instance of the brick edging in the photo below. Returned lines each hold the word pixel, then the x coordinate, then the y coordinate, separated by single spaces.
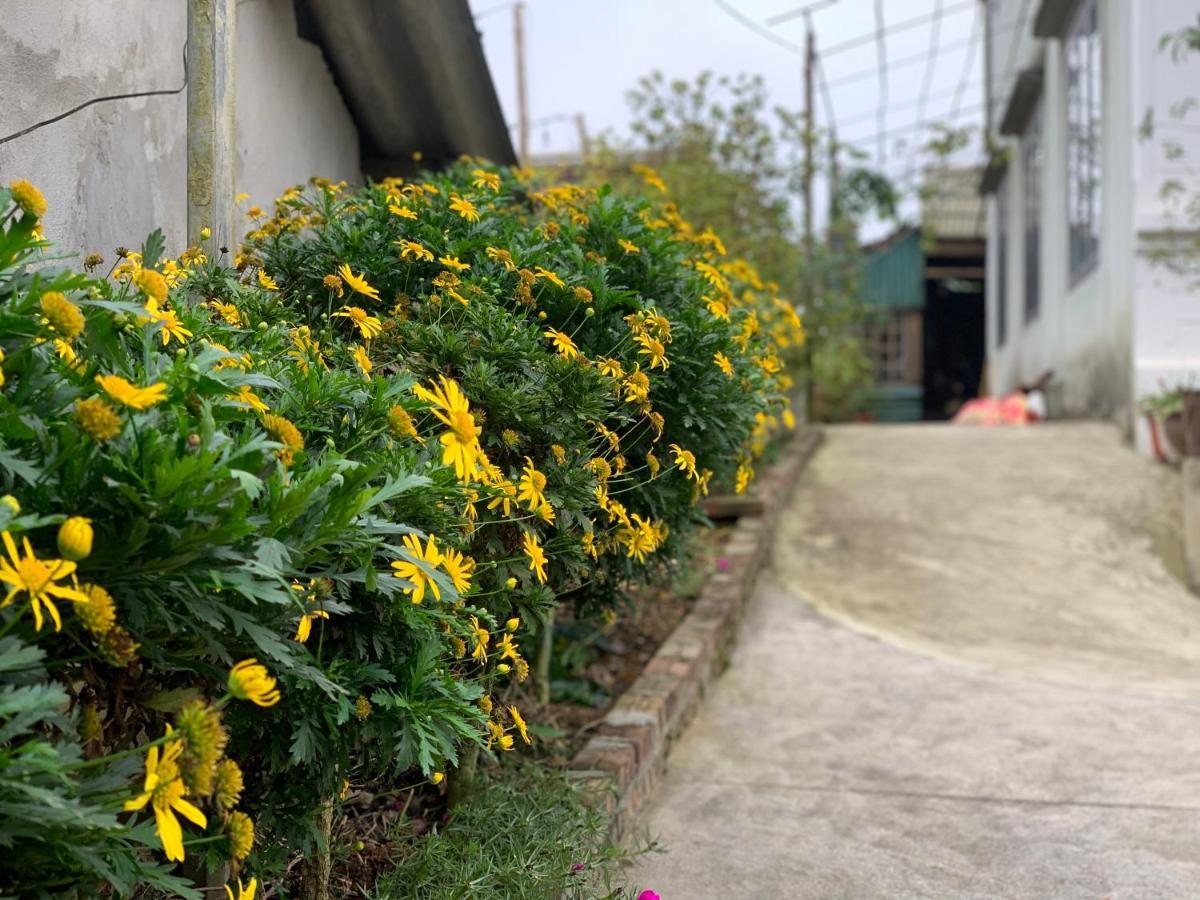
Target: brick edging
pixel 620 765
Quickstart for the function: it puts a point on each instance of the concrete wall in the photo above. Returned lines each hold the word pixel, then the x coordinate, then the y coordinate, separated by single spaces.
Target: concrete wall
pixel 1127 322
pixel 116 170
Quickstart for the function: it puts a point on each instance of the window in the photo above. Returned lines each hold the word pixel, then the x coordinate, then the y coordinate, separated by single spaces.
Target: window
pixel 1002 262
pixel 1083 140
pixel 1031 175
pixel 886 346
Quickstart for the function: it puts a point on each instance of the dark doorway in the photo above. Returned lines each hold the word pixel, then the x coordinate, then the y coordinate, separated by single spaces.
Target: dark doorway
pixel 954 344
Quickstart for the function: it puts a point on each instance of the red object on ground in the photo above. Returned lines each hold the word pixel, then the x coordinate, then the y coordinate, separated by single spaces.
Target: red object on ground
pixel 1011 409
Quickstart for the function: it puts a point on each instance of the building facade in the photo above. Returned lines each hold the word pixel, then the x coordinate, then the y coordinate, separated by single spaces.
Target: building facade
pixel 1096 152
pixel 323 88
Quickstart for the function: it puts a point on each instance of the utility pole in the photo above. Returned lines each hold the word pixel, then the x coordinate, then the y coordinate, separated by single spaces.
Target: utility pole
pixel 522 96
pixel 810 59
pixel 211 143
pixel 585 142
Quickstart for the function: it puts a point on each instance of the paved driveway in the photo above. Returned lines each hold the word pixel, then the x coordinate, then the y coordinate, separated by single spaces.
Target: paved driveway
pixel 970 674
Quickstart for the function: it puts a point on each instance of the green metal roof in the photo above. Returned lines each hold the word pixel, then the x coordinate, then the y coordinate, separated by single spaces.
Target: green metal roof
pixel 894 274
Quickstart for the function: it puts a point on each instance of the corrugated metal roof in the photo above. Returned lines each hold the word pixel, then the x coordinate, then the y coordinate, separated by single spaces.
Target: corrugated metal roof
pixel 894 273
pixel 951 207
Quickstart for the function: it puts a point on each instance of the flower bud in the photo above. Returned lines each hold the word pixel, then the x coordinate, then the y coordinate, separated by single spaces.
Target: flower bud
pixel 510 583
pixel 513 624
pixel 12 503
pixel 503 668
pixel 75 538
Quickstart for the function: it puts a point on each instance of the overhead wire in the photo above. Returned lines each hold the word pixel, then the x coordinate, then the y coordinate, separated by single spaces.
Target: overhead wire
pixel 881 55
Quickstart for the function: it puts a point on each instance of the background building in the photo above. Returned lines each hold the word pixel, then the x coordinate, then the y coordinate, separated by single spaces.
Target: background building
pixel 1083 105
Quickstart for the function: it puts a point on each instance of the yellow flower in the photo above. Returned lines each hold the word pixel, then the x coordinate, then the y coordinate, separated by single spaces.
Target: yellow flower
pixel 559 452
pixel 228 785
pixel 413 249
pixel 362 360
pixel 152 284
pixel 282 430
pixel 437 777
pixel 459 568
pixel 240 830
pixel 504 498
pixel 400 423
pixel 63 315
pixel 304 626
pixel 453 262
pixel 685 460
pixel 266 281
pixel 508 650
pixel 628 246
pixel 244 893
pixel 652 463
pixel 496 734
pixel 549 276
pixel 563 344
pixel 653 348
pixel 245 396
pixel 480 637
pixel 501 256
pixel 582 294
pixel 98 613
pixel 98 420
pixel 464 207
pixel 717 307
pixel 75 538
pixel 532 486
pixel 537 556
pixel 38 578
pixel 164 790
pixel 171 326
pixel 519 724
pixel 28 198
pixel 610 367
pixel 723 363
pixel 744 475
pixel 411 571
pixel 334 284
pixel 250 680
pixel 129 394
pixel 403 212
pixel 368 325
pixel 227 311
pixel 461 442
pixel 358 283
pixel 482 179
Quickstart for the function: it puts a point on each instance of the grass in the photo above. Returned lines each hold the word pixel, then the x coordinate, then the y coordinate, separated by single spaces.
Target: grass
pixel 525 835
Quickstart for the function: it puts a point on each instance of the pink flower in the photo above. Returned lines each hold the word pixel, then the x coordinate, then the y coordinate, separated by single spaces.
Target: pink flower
pixel 578 867
pixel 722 566
pixel 648 895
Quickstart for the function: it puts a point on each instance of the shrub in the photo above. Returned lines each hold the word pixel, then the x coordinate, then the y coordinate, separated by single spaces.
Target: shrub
pixel 274 528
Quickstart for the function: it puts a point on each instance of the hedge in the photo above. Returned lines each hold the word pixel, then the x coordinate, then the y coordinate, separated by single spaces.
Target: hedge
pixel 281 526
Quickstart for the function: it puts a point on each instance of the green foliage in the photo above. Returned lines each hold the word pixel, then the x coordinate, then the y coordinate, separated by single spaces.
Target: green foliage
pixel 525 835
pixel 214 464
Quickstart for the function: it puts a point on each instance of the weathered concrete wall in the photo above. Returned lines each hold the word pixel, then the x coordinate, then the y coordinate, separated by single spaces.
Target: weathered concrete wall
pixel 117 170
pixel 114 171
pixel 292 122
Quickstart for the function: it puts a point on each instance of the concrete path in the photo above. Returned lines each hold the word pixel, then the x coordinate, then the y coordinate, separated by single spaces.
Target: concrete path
pixel 970 674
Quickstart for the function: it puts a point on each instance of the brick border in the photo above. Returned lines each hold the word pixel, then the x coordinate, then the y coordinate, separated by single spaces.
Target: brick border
pixel 620 765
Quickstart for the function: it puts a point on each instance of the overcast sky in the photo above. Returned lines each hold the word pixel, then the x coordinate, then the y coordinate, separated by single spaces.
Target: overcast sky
pixel 582 56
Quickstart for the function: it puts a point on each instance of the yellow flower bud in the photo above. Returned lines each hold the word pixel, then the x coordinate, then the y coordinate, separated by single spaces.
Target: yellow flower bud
pixel 12 503
pixel 75 538
pixel 511 583
pixel 513 624
pixel 437 777
pixel 205 233
pixel 503 668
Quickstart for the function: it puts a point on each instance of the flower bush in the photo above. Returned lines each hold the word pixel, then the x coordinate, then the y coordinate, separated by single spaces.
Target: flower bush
pixel 274 528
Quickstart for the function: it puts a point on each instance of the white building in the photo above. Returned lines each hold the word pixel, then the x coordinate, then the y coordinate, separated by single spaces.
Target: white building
pixel 1084 107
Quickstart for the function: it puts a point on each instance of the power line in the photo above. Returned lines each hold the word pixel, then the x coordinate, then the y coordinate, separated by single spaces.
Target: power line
pixel 880 135
pixel 895 107
pixel 771 36
pixel 881 51
pixel 895 28
pixel 130 96
pixel 935 30
pixel 799 11
pixel 972 42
